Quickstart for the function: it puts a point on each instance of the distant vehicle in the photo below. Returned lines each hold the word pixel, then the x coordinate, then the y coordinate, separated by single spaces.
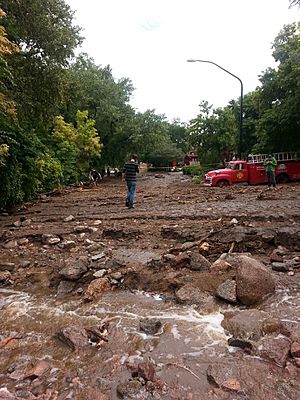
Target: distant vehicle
pixel 253 172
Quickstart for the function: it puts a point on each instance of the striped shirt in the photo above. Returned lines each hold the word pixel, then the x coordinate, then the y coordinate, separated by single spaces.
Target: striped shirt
pixel 130 170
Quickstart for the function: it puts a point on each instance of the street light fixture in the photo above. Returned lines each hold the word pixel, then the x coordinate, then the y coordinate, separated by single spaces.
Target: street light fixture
pixel 241 99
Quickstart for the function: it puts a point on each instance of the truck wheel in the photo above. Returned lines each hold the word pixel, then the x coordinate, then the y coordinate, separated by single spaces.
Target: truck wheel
pixel 222 183
pixel 282 178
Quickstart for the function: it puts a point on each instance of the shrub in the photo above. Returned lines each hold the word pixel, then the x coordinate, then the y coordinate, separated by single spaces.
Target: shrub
pixel 194 169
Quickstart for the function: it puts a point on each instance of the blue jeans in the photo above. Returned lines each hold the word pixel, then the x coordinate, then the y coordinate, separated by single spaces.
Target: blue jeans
pixel 131 192
pixel 271 178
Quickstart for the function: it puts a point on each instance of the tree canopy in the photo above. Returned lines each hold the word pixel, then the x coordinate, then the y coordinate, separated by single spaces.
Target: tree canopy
pixel 61 115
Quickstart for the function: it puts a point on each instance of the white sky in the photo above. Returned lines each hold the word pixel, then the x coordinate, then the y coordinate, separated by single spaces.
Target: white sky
pixel 149 42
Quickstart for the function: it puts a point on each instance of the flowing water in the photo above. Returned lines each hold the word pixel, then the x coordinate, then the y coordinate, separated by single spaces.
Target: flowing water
pixel 187 337
pixel 34 321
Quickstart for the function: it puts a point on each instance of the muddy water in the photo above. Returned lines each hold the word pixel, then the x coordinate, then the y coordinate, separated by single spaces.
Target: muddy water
pixel 34 321
pixel 188 342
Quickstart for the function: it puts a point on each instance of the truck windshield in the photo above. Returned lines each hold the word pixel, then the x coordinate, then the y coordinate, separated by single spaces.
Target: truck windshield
pixel 230 165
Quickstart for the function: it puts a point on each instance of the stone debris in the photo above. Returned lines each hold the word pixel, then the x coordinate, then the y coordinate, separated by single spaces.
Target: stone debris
pixel 98 257
pixel 150 326
pixel 69 218
pixel 227 291
pixel 96 289
pixel 100 273
pixel 50 239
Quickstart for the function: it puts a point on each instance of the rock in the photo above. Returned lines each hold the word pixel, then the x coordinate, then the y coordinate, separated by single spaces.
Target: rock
pixel 199 263
pixel 150 326
pixel 37 370
pixel 74 271
pixel 190 294
pixel 17 224
pixel 182 261
pixel 155 262
pixel 73 336
pixel 23 242
pixel 253 281
pixel 95 247
pixel 280 266
pixel 250 324
pixel 116 275
pixel 65 287
pixel 9 343
pixel 234 221
pixel 6 395
pixel 100 273
pixel 233 258
pixel 188 245
pixel 97 222
pixel 227 291
pixel 11 244
pixel 50 239
pixel 129 389
pixel 170 259
pixel 231 385
pixel 67 244
pixel 297 362
pixel 295 349
pixel 144 370
pixel 219 374
pixel 220 266
pixel 276 257
pixel 241 343
pixel 69 218
pixel 84 229
pixel 5 277
pixel 274 349
pixel 24 263
pixel 96 289
pixel 7 266
pixel 98 256
pixel 26 222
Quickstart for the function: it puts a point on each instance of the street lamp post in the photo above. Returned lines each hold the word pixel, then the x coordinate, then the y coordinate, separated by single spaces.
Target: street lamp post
pixel 241 100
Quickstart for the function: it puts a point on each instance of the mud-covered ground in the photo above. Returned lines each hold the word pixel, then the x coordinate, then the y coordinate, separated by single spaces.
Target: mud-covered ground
pixel 103 302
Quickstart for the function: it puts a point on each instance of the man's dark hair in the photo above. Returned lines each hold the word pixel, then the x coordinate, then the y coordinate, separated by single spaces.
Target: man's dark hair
pixel 134 157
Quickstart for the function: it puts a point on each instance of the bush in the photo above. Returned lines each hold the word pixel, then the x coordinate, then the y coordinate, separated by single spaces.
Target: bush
pixel 194 169
pixel 197 179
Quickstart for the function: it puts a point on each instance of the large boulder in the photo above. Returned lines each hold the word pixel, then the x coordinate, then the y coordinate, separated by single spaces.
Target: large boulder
pixel 253 281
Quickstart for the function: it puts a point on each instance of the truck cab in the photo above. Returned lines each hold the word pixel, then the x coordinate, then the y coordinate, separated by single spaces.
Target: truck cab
pixel 235 172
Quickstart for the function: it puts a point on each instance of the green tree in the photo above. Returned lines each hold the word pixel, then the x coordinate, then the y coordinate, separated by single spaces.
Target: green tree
pixel 214 133
pixel 76 148
pixel 279 96
pixel 43 31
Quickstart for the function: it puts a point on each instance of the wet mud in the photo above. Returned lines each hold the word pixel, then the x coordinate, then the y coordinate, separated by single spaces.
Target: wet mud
pixel 99 301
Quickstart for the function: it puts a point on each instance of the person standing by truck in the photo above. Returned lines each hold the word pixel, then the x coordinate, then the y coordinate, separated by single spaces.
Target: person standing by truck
pixel 270 164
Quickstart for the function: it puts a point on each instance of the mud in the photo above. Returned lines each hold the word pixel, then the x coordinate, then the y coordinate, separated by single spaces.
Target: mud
pixel 54 247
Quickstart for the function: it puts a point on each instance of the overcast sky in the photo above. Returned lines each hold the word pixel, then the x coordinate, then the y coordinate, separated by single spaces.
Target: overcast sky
pixel 149 42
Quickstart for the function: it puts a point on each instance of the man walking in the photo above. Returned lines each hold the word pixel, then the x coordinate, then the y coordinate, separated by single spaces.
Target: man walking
pixel 95 177
pixel 129 172
pixel 270 164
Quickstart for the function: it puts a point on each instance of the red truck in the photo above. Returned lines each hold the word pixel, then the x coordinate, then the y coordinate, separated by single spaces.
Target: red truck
pixel 253 171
